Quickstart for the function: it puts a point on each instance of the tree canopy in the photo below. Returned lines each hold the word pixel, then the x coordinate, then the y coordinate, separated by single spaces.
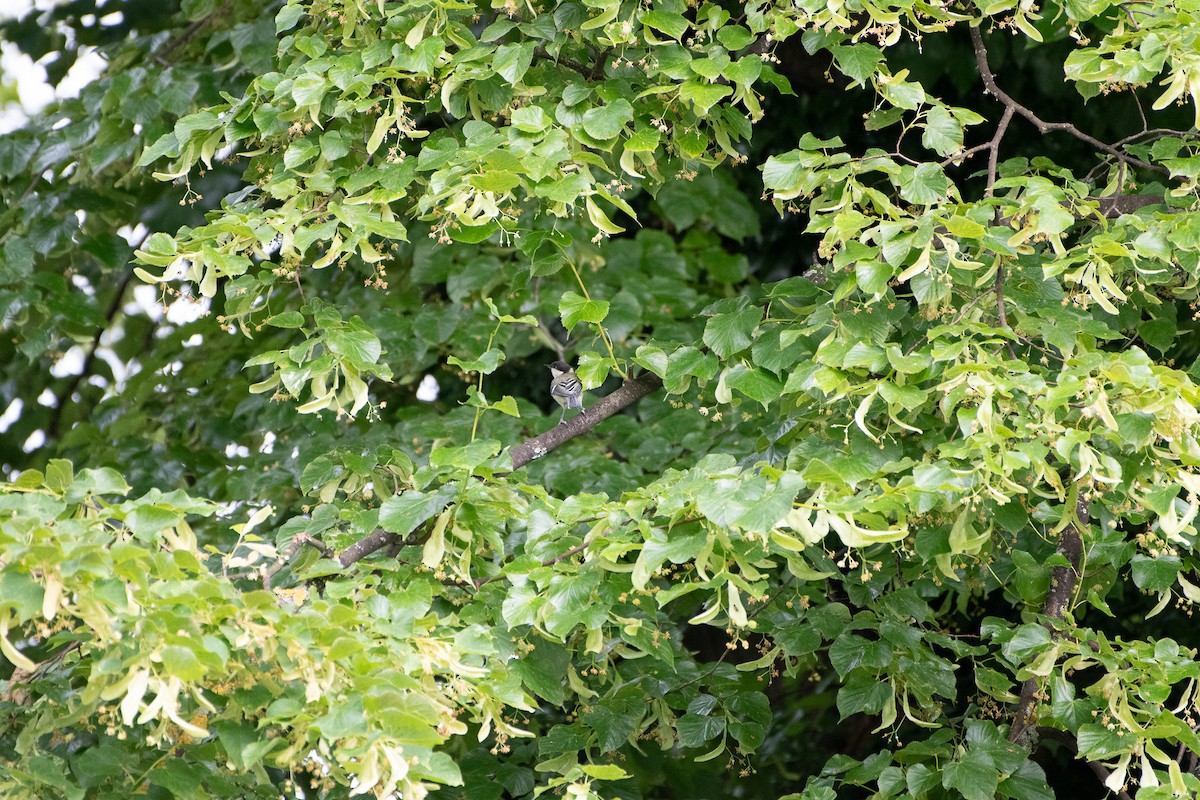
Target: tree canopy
pixel 887 479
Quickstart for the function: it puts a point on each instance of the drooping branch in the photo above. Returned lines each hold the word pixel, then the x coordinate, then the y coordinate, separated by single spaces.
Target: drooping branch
pixel 629 393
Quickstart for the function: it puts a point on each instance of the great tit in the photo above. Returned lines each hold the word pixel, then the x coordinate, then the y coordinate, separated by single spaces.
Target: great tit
pixel 565 387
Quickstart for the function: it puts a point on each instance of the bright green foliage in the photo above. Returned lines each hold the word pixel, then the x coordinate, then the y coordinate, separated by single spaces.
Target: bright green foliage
pixel 911 515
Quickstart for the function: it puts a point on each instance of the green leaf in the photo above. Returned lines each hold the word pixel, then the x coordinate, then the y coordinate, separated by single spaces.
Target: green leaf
pixel 181 662
pixel 643 140
pixel 729 333
pixel 360 347
pixel 544 670
pixel 873 276
pixel 288 17
pixel 20 593
pixel 287 319
pixel 345 718
pixel 1155 573
pixel 862 694
pixel 943 133
pixel 606 121
pixel 1028 782
pixel 734 37
pixel 530 119
pixel 474 234
pixel 574 308
pixel 672 25
pixel 696 730
pixel 604 772
pixel 165 145
pixel 512 61
pixel 468 456
pixel 974 775
pixel 487 362
pixel 402 513
pixel 676 546
pixel 97 482
pixel 507 405
pixel 925 185
pixel 704 96
pixel 857 62
pixel 308 90
pixel 758 385
pixel 783 173
pixel 614 720
pixel 1098 741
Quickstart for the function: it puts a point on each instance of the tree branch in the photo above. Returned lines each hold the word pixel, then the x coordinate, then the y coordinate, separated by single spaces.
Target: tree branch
pixel 1063 581
pixel 297 541
pixel 989 82
pixel 549 562
pixel 53 429
pixel 164 54
pixel 376 540
pixel 1117 205
pixel 993 148
pixel 1102 772
pixel 629 393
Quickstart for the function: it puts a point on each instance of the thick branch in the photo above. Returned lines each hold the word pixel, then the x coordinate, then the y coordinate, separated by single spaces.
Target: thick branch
pixel 632 391
pixel 989 82
pixel 1117 205
pixel 365 546
pixel 1063 582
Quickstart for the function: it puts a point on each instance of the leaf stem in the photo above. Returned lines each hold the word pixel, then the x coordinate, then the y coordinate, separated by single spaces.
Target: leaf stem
pixel 599 327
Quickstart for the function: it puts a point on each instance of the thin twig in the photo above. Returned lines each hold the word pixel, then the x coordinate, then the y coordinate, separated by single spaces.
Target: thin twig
pixel 999 289
pixel 993 148
pixel 1155 133
pixel 959 157
pixel 721 658
pixel 1141 111
pixel 162 56
pixel 53 429
pixel 298 540
pixel 989 82
pixel 549 562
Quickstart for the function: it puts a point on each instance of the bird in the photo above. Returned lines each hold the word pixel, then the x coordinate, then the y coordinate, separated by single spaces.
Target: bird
pixel 565 387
